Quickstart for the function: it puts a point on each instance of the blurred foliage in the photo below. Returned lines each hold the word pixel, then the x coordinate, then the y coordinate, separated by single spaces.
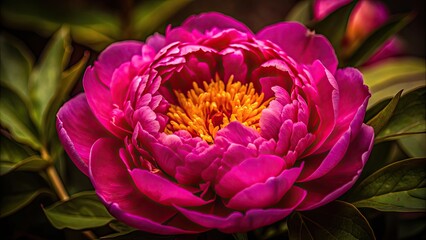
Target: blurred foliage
pixel 34 87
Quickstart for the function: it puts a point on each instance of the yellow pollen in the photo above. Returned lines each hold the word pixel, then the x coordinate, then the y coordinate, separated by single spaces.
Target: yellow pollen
pixel 207 109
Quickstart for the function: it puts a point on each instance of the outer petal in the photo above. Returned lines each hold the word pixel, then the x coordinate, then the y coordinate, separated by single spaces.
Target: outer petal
pixel 231 222
pixel 115 55
pixel 249 172
pixel 327 188
pixel 301 44
pixel 116 189
pixel 208 21
pixel 163 190
pixel 262 195
pixel 78 130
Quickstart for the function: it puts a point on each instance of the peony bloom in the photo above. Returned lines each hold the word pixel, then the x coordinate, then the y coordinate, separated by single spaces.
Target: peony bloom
pixel 367 17
pixel 214 127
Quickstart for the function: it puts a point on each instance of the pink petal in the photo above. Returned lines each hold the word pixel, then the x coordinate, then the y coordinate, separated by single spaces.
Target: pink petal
pixel 323 8
pixel 163 190
pixel 262 195
pixel 99 98
pixel 231 222
pixel 78 130
pixel 115 55
pixel 156 41
pixel 208 21
pixel 301 44
pixel 249 172
pixel 332 185
pixel 116 189
pixel 235 132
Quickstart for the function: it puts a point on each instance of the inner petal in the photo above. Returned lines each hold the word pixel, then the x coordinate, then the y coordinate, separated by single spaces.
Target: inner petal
pixel 206 109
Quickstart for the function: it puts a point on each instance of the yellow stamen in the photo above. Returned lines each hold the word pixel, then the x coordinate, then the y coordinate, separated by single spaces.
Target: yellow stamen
pixel 204 111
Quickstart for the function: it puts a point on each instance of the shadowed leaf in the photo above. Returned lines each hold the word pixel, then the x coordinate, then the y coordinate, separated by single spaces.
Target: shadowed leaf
pixel 398 187
pixel 337 220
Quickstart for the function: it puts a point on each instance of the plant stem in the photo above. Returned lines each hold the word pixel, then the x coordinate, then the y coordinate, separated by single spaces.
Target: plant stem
pixel 59 187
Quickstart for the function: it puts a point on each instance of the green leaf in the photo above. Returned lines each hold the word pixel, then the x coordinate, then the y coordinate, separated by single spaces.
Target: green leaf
pixel 15 72
pixel 408 118
pixel 45 78
pixel 93 28
pixel 83 210
pixel 334 25
pixel 18 189
pixel 414 145
pixel 378 38
pixel 398 187
pixel 149 15
pixel 389 76
pixel 16 157
pixel 301 12
pixel 68 80
pixel 337 220
pixel 382 118
pixel 15 118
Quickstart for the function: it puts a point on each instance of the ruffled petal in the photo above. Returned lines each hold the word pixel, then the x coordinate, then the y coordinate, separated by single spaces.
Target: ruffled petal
pixel 164 191
pixel 115 55
pixel 231 222
pixel 301 44
pixel 208 21
pixel 235 132
pixel 116 189
pixel 262 195
pixel 249 172
pixel 78 130
pixel 332 185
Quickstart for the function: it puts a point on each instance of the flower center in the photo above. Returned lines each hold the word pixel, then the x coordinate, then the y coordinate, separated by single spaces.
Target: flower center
pixel 204 110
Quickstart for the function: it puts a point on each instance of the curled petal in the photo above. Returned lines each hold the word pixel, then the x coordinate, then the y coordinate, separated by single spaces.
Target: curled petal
pixel 262 195
pixel 249 172
pixel 163 190
pixel 301 44
pixel 78 130
pixel 210 21
pixel 230 222
pixel 332 185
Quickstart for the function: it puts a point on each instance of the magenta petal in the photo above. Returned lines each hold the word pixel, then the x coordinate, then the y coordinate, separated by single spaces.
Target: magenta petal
pixel 99 98
pixel 235 132
pixel 208 21
pixel 323 8
pixel 115 55
pixel 163 190
pixel 252 219
pixel 156 41
pixel 116 189
pixel 248 172
pixel 317 166
pixel 301 44
pixel 78 130
pixel 329 187
pixel 262 195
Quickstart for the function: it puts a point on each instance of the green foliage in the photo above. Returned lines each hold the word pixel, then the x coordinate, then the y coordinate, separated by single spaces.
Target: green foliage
pixel 18 190
pixel 398 187
pixel 45 78
pixel 83 210
pixel 301 12
pixel 149 15
pixel 389 76
pixel 409 117
pixel 337 220
pixel 382 118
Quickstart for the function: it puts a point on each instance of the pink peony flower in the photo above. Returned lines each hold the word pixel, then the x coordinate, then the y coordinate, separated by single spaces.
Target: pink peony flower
pixel 367 17
pixel 214 127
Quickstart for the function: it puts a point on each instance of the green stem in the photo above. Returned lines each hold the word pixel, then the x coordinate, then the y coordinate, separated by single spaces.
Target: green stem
pixel 59 187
